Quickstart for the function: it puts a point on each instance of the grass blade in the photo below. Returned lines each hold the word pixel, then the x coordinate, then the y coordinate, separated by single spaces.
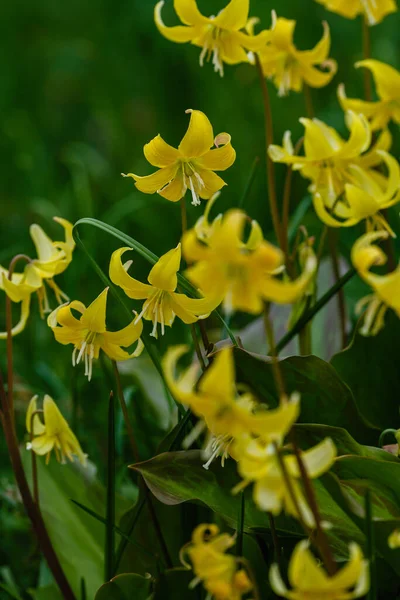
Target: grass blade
pixel 371 550
pixel 110 500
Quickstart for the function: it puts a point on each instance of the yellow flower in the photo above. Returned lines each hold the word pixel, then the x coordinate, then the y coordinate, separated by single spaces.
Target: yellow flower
pixel 51 434
pixel 244 273
pixel 226 414
pixel 220 37
pixel 88 334
pixel 310 582
pixel 328 157
pixel 191 166
pixel 52 259
pixel 288 67
pixel 387 108
pixel 162 303
pixel 258 463
pixel 394 539
pixel 365 255
pixel 374 10
pixel 219 572
pixel 364 198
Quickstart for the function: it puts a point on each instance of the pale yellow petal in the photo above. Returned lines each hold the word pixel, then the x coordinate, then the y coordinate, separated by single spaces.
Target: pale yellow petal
pixel 199 137
pixel 219 379
pixel 164 273
pixel 304 572
pixel 94 317
pixel 189 13
pixel 150 184
pixel 234 16
pixel 175 190
pixel 211 183
pixel 193 308
pixel 220 158
pixel 179 34
pixel 44 246
pixel 320 52
pixel 20 326
pixel 132 287
pixel 387 78
pixel 126 336
pixel 159 153
pixel 38 427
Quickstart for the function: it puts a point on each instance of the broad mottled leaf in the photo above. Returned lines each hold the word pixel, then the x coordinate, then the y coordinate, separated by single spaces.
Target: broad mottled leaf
pixel 370 367
pixel 125 587
pixel 324 396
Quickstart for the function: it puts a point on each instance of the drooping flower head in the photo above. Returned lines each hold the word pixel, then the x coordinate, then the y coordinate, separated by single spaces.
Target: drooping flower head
pixel 290 68
pixel 365 255
pixel 259 464
pixel 327 157
pixel 222 38
pixel 89 335
pixel 191 166
pixel 387 83
pixel 373 10
pixel 244 272
pixel 226 414
pixel 51 433
pixel 221 573
pixel 363 198
pixel 52 259
pixel 309 581
pixel 162 303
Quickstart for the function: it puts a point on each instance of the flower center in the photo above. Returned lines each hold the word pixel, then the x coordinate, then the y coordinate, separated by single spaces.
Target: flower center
pixel 212 48
pixel 153 310
pixel 86 349
pixel 193 181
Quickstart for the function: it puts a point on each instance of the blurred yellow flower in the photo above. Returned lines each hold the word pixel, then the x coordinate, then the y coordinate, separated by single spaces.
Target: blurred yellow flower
pixel 364 198
pixel 162 303
pixel 244 273
pixel 374 10
pixel 220 37
pixel 258 463
pixel 52 259
pixel 394 539
pixel 288 67
pixel 88 334
pixel 387 108
pixel 51 434
pixel 365 255
pixel 309 580
pixel 220 573
pixel 226 414
pixel 328 157
pixel 191 166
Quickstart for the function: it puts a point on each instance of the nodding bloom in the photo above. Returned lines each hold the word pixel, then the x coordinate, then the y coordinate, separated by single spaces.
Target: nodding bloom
pixel 222 38
pixel 394 539
pixel 309 581
pixel 373 10
pixel 327 156
pixel 223 412
pixel 245 273
pixel 290 68
pixel 162 303
pixel 52 259
pixel 364 198
pixel 51 433
pixel 259 464
pixel 89 335
pixel 364 255
pixel 387 83
pixel 222 574
pixel 191 166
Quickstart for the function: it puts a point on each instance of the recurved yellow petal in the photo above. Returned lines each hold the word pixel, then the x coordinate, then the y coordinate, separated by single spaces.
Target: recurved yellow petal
pixel 179 33
pixel 317 460
pixel 189 13
pixel 150 184
pixel 94 317
pixel 219 379
pixel 191 309
pixel 320 52
pixel 387 78
pixel 132 287
pixel 38 427
pixel 234 16
pixel 159 153
pixel 304 571
pixel 222 157
pixel 211 183
pixel 164 273
pixel 199 136
pixel 44 246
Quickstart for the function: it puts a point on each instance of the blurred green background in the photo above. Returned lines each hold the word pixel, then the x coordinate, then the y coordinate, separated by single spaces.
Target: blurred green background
pixel 84 85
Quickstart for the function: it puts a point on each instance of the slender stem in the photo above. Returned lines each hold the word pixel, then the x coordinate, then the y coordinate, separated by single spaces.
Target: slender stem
pixel 157 527
pixel 280 385
pixel 333 240
pixel 286 205
pixel 321 538
pixel 269 139
pixel 289 487
pixel 35 481
pixel 109 548
pixel 197 347
pixel 275 540
pixel 240 525
pixel 321 245
pixel 124 408
pixel 31 508
pixel 182 202
pixel 370 535
pixel 366 36
pixel 308 101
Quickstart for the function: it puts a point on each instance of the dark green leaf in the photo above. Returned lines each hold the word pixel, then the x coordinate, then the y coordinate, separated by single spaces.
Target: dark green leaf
pixel 125 587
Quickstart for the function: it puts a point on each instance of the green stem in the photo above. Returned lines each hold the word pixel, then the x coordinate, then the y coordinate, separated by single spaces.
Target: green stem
pixel 366 37
pixel 240 525
pixel 109 550
pixel 308 101
pixel 269 140
pixel 250 182
pixel 124 408
pixel 371 552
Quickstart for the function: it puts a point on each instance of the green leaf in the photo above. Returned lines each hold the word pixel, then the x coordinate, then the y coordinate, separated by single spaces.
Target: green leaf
pixel 370 367
pixel 324 396
pixel 174 585
pixel 125 587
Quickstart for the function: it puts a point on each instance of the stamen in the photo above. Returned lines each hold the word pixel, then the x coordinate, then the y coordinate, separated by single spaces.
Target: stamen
pixel 81 351
pixel 74 357
pixel 195 196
